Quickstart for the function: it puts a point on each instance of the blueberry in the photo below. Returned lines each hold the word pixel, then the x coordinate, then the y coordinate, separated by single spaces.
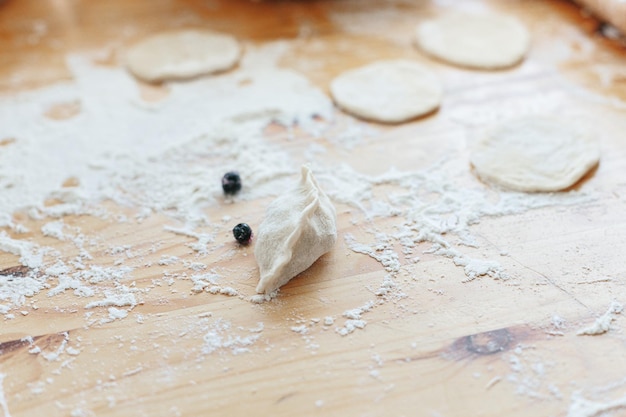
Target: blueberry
pixel 242 233
pixel 231 182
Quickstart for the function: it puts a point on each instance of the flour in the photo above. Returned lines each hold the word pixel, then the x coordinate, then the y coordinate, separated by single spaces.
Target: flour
pixel 431 210
pixel 355 314
pixel 582 407
pixel 53 229
pixel 56 354
pixel 91 148
pixel 220 337
pixel 529 374
pixel 118 300
pixel 3 400
pixel 117 314
pixel 350 326
pixel 603 323
pixel 202 282
pixel 30 254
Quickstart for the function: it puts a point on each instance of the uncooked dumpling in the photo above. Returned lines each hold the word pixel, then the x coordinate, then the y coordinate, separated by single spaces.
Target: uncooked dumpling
pixel 534 154
pixel 388 91
pixel 181 54
pixel 479 41
pixel 298 228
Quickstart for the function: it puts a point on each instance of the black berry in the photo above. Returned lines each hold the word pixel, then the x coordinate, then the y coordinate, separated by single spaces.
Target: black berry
pixel 231 182
pixel 242 233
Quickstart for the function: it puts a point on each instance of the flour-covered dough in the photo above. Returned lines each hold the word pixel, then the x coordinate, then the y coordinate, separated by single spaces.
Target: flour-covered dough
pixel 488 41
pixel 388 91
pixel 298 228
pixel 534 154
pixel 180 54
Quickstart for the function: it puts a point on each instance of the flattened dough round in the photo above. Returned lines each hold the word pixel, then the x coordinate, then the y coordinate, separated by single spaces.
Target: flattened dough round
pixel 478 41
pixel 534 154
pixel 181 54
pixel 388 91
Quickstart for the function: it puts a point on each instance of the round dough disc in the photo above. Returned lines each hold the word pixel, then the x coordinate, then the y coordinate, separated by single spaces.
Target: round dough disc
pixel 182 54
pixel 534 154
pixel 387 91
pixel 477 41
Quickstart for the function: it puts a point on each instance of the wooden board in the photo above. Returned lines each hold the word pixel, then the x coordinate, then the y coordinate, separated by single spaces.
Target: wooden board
pixel 440 346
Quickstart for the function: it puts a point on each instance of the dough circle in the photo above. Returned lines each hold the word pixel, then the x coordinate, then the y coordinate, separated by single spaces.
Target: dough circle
pixel 387 91
pixel 534 154
pixel 181 54
pixel 477 41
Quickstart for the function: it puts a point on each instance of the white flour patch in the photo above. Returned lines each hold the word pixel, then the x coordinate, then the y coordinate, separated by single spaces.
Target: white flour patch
pixel 432 210
pixel 92 147
pixel 3 399
pixel 117 314
pixel 530 374
pixel 15 290
pixel 31 255
pixel 603 323
pixel 221 337
pixel 202 282
pixel 582 407
pixel 124 298
pixel 53 229
pixel 56 354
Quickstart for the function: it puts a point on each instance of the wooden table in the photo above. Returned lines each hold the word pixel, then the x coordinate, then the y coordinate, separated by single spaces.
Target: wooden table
pixel 437 346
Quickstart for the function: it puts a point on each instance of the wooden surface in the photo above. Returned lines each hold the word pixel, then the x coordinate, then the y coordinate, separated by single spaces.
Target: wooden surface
pixel 613 11
pixel 446 348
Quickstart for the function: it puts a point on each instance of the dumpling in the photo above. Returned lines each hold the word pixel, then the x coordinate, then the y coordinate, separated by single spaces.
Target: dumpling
pixel 299 227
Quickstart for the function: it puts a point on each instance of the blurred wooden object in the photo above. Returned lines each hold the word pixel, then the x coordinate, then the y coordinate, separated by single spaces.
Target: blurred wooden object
pixel 612 11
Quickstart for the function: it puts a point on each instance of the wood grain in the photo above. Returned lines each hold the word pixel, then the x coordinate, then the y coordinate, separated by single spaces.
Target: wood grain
pixel 613 11
pixel 445 347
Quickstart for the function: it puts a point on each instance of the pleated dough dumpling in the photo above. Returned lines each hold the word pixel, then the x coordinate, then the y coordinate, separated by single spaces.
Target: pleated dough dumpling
pixel 299 227
pixel 183 53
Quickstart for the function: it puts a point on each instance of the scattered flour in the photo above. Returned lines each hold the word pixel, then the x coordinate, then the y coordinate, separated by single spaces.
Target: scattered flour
pixel 350 326
pixel 355 314
pixel 221 337
pixel 582 407
pixel 117 314
pixel 55 355
pixel 15 290
pixel 302 329
pixel 117 300
pixel 54 229
pixel 434 210
pixel 603 323
pixel 202 282
pixel 31 255
pixel 353 321
pixel 91 148
pixel 3 399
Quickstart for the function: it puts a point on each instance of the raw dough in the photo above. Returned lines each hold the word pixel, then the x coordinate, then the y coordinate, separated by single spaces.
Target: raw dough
pixel 534 154
pixel 479 41
pixel 298 228
pixel 388 91
pixel 182 54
